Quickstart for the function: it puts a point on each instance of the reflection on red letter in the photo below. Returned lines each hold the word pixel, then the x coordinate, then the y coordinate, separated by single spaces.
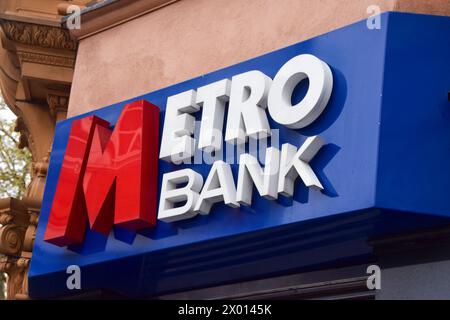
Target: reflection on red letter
pixel 107 176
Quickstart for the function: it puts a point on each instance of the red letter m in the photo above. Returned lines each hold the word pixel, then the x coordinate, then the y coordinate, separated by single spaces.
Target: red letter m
pixel 107 177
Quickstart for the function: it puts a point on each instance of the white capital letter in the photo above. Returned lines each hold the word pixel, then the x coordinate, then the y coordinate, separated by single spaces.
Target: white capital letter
pixel 288 77
pixel 296 163
pixel 212 99
pixel 248 101
pixel 219 186
pixel 266 182
pixel 177 143
pixel 171 195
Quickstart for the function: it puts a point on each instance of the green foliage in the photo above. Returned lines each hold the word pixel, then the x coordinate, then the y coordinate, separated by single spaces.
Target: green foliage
pixel 14 167
pixel 14 162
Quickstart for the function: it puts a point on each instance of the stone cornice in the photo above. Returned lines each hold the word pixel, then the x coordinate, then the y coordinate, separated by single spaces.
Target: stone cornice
pixel 110 14
pixel 46 59
pixel 38 35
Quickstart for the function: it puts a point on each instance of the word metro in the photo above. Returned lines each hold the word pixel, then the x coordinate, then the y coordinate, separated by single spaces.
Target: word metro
pixel 110 176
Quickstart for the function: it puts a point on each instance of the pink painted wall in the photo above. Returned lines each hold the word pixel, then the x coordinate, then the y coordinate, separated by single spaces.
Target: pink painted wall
pixel 193 37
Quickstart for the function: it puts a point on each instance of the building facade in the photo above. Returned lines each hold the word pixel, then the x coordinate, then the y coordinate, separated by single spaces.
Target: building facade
pixel 52 70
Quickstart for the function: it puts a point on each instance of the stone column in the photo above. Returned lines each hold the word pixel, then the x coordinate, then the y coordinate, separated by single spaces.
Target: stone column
pixel 37 59
pixel 14 221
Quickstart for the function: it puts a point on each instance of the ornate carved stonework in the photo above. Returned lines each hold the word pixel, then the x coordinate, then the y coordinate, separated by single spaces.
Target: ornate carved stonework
pixel 17 270
pixel 15 220
pixel 11 239
pixel 35 190
pixel 38 35
pixel 58 103
pixel 37 59
pixel 25 140
pixel 51 60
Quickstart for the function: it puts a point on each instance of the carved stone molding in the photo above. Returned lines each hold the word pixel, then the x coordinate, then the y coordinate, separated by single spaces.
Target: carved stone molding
pixel 6 218
pixel 16 218
pixel 58 103
pixel 108 14
pixel 25 140
pixel 30 236
pixel 40 168
pixel 35 189
pixel 63 6
pixel 6 263
pixel 11 239
pixel 33 208
pixel 17 270
pixel 13 211
pixel 51 60
pixel 17 233
pixel 36 127
pixel 38 35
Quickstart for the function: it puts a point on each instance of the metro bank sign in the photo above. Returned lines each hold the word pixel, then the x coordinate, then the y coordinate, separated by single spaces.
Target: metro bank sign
pixel 110 176
pixel 292 161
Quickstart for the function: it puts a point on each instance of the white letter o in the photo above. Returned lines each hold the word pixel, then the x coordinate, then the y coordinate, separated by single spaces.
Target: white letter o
pixel 290 74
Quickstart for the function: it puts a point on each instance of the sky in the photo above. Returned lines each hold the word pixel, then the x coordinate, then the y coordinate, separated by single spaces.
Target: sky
pixel 6 114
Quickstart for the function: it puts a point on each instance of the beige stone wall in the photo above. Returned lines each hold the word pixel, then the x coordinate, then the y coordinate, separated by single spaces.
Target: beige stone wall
pixel 192 37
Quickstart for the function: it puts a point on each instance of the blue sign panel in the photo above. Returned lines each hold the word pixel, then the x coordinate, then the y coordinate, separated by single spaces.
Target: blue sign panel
pixel 384 168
